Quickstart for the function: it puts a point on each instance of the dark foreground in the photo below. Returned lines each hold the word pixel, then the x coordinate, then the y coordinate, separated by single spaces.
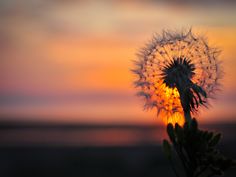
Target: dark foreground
pixel 31 152
pixel 86 162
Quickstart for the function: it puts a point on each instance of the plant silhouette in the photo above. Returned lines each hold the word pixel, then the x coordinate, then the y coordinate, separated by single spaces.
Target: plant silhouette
pixel 177 73
pixel 196 150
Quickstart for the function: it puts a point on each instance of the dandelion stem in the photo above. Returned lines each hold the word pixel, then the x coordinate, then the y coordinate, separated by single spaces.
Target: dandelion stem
pixel 184 103
pixel 187 116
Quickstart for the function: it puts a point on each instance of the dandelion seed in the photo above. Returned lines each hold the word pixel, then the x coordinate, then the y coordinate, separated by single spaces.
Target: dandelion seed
pixel 178 72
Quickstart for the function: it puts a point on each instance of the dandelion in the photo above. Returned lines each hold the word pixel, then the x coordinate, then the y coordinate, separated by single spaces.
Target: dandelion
pixel 176 73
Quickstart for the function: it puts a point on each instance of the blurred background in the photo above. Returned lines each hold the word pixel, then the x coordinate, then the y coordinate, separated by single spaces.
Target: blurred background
pixel 67 103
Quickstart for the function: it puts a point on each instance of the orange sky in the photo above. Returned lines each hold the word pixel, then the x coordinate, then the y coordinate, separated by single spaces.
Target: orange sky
pixel 71 61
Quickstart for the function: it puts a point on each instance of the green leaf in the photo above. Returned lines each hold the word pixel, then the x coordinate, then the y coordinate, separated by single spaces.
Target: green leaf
pixel 215 140
pixel 217 171
pixel 209 136
pixel 179 132
pixel 171 133
pixel 167 148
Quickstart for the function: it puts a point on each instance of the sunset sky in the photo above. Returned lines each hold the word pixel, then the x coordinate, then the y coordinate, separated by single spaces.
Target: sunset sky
pixel 70 61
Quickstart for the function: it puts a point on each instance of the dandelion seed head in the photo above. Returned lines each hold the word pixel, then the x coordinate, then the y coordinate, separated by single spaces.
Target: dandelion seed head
pixel 164 59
